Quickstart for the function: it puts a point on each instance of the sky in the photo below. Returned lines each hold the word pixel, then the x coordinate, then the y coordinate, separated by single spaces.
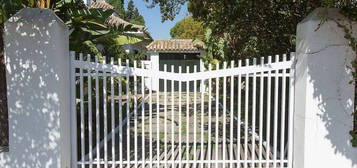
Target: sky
pixel 152 16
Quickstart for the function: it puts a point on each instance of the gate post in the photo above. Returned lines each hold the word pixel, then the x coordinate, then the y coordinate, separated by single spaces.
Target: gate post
pixel 155 67
pixel 38 89
pixel 324 98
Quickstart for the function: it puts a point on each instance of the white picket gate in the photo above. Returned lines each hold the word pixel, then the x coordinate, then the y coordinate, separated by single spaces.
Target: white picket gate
pixel 243 117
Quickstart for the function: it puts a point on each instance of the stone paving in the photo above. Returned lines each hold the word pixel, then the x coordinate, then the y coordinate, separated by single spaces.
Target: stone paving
pixel 162 129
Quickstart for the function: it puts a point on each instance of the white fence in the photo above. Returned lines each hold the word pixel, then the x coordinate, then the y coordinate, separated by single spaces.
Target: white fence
pixel 242 119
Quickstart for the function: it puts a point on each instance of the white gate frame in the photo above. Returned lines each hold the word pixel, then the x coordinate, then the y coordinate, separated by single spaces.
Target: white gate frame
pixel 241 71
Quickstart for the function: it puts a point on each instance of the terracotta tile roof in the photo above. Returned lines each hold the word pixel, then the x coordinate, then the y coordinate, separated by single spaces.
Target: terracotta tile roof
pixel 115 20
pixel 101 5
pixel 174 45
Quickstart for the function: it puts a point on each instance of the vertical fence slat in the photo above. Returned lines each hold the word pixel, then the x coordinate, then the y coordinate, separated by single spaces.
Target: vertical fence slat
pixel 202 117
pixel 268 116
pixel 217 116
pixel 172 119
pixel 105 116
pixel 150 119
pixel 97 114
pixel 121 137
pixel 73 113
pixel 254 114
pixel 282 135
pixel 127 82
pixel 246 110
pixel 81 111
pixel 276 87
pixel 112 112
pixel 187 116
pixel 158 126
pixel 180 121
pixel 224 114
pixel 90 129
pixel 209 116
pixel 239 123
pixel 143 117
pixel 261 96
pixel 231 115
pixel 165 116
pixel 135 117
pixel 291 108
pixel 194 118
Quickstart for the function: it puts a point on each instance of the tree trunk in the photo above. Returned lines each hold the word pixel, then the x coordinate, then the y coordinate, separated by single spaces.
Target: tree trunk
pixel 4 127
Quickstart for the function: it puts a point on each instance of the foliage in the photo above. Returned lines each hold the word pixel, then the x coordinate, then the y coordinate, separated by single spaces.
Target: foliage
pixel 250 28
pixel 118 6
pixel 168 8
pixel 351 13
pixel 214 49
pixel 132 14
pixel 85 25
pixel 188 28
pixel 89 31
pixel 10 7
pixel 112 45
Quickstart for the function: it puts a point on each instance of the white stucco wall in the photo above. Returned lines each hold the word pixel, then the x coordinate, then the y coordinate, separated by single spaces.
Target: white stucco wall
pixel 130 48
pixel 324 99
pixel 38 84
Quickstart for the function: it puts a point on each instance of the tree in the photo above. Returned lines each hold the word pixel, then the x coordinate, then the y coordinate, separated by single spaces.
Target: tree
pixel 256 28
pixel 188 28
pixel 118 6
pixel 251 28
pixel 168 8
pixel 132 14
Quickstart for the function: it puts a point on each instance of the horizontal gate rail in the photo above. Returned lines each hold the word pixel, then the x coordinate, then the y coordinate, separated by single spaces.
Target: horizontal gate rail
pixel 121 70
pixel 184 161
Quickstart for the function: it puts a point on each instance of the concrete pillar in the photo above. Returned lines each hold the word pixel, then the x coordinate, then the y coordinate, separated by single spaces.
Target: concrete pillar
pixel 38 88
pixel 324 98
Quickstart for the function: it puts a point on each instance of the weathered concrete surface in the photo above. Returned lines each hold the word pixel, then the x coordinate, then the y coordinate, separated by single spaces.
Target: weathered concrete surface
pixel 324 98
pixel 38 83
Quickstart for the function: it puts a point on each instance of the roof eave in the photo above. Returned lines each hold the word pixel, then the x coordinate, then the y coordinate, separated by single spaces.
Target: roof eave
pixel 174 51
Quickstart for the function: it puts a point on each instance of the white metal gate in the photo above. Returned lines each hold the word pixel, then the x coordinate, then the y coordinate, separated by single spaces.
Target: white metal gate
pixel 242 118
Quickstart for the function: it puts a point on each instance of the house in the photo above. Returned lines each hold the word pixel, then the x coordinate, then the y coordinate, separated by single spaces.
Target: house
pixel 174 52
